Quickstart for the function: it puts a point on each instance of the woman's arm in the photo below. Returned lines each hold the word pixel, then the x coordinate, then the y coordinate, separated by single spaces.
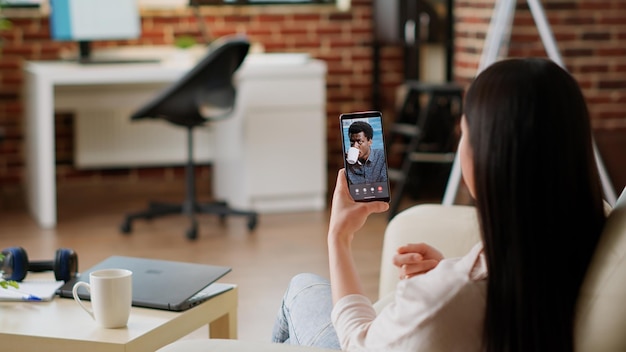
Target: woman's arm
pixel 346 217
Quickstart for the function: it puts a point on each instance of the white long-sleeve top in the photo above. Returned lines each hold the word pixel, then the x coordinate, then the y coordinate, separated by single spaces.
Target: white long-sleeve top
pixel 441 310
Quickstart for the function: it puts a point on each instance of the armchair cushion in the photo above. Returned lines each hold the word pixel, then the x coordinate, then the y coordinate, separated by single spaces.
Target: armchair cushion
pixel 451 229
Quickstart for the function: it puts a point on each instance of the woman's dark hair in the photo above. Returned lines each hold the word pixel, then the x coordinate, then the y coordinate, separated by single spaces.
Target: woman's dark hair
pixel 538 197
pixel 361 126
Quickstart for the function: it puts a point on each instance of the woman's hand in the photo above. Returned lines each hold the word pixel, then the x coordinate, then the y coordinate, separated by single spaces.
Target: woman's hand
pixel 348 216
pixel 416 258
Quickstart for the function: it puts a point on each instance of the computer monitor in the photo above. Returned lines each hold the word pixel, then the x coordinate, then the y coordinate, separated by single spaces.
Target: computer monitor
pixel 85 21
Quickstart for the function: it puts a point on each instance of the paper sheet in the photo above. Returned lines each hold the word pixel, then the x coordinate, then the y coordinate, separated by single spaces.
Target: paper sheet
pixel 31 290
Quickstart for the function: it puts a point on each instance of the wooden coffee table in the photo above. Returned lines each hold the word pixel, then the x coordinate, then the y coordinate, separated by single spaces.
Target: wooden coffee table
pixel 61 325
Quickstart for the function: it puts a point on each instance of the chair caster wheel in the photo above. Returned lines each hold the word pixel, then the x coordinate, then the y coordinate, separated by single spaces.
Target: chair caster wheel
pixel 126 228
pixel 192 232
pixel 252 221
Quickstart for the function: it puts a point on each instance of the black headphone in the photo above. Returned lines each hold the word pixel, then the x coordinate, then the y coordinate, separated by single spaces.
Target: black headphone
pixel 15 264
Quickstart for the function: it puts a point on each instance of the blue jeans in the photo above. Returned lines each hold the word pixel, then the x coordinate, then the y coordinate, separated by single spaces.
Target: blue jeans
pixel 304 315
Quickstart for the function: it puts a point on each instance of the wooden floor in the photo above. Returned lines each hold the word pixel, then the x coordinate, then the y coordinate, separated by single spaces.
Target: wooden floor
pixel 263 261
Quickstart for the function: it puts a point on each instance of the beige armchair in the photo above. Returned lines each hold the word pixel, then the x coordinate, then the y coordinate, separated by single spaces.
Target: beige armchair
pixel 453 230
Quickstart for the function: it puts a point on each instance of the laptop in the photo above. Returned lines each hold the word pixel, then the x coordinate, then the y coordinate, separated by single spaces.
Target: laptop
pixel 161 284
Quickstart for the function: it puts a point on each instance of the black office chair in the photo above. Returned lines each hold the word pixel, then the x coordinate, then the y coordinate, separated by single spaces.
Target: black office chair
pixel 204 94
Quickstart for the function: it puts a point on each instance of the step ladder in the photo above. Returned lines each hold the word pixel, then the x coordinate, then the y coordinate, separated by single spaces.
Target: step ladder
pixel 496 47
pixel 425 131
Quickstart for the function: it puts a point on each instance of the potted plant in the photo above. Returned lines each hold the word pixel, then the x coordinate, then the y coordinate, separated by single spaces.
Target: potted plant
pixel 4 23
pixel 6 283
pixel 183 54
pixel 184 42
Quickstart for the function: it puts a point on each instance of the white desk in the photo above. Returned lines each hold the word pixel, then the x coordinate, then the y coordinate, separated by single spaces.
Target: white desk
pixel 279 120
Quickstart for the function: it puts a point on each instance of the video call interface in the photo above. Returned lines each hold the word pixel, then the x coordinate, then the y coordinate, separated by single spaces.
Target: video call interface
pixel 367 190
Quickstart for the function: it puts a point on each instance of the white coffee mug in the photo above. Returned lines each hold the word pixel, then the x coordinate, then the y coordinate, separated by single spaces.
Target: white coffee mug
pixel 353 155
pixel 110 294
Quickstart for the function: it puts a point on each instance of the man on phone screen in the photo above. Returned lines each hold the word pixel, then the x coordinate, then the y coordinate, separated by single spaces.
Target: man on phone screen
pixel 370 165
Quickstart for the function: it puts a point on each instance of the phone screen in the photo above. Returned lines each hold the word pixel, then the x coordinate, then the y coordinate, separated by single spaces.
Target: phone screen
pixel 364 155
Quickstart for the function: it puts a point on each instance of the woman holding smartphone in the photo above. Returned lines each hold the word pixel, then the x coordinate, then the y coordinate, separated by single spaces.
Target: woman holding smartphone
pixel 527 159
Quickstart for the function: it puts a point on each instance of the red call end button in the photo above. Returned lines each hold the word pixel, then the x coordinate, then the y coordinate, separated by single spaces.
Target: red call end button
pixel 380 188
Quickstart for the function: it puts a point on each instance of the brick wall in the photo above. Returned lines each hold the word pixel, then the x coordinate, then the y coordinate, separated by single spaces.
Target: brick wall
pixel 591 35
pixel 591 38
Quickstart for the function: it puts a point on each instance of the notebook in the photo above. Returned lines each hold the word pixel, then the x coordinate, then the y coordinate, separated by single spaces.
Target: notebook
pixel 161 284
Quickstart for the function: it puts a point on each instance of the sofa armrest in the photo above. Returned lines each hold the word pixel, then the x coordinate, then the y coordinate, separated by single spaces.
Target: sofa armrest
pixel 452 229
pixel 601 311
pixel 220 345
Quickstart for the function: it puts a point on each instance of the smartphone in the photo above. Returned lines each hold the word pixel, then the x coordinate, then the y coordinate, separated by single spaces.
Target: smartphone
pixel 364 155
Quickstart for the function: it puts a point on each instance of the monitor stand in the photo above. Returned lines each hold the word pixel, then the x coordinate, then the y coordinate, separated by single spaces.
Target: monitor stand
pixel 86 58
